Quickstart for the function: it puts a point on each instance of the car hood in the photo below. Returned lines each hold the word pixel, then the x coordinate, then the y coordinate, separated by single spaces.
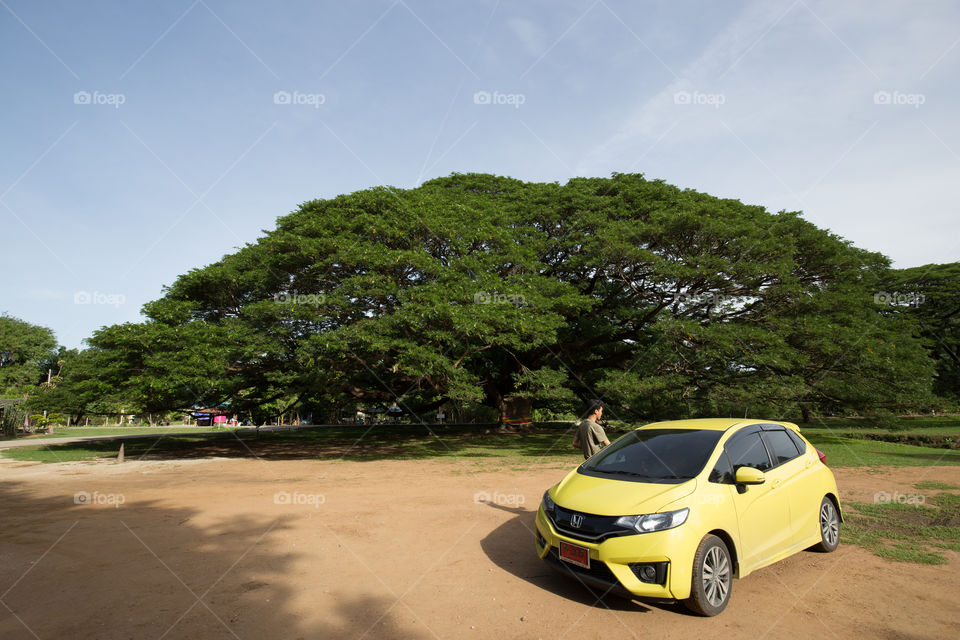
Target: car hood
pixel 612 497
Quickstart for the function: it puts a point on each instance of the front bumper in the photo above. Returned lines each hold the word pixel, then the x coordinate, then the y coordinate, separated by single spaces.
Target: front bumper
pixel 610 561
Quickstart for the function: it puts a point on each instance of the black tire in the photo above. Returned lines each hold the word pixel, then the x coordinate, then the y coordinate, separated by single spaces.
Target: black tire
pixel 712 578
pixel 829 520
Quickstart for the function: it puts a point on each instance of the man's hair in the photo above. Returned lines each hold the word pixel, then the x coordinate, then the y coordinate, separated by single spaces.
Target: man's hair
pixel 592 408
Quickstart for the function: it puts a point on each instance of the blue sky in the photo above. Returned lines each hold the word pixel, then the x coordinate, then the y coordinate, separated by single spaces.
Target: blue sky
pixel 143 139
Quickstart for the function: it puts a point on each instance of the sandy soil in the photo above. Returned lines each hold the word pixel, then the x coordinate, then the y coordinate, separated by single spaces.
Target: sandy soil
pixel 386 549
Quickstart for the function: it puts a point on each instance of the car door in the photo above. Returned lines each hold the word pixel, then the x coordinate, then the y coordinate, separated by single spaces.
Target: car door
pixel 763 510
pixel 789 471
pixel 803 486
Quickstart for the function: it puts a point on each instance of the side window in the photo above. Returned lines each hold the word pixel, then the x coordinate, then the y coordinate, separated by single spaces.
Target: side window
pixel 723 472
pixel 747 450
pixel 797 440
pixel 780 445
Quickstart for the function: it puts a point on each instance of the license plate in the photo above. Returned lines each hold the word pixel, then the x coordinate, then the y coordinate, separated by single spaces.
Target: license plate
pixel 574 554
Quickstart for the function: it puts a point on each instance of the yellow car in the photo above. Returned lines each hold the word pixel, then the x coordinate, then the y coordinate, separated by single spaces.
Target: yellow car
pixel 675 510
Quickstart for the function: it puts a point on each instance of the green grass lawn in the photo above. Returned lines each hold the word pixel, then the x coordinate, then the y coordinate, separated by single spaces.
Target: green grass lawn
pixel 336 442
pixel 845 451
pixel 918 530
pixel 417 442
pixel 947 424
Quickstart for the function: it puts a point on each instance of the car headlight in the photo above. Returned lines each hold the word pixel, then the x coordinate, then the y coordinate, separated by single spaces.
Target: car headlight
pixel 548 503
pixel 655 521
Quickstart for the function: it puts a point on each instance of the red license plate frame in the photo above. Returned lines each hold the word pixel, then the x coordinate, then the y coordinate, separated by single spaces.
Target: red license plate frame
pixel 575 554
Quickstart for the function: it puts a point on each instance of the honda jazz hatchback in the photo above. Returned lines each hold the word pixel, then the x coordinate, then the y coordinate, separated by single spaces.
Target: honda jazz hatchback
pixel 676 510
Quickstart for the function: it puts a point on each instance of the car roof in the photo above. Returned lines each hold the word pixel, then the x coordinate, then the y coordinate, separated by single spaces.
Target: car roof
pixel 715 424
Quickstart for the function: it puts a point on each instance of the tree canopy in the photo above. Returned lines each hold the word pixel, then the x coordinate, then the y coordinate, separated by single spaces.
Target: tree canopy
pixel 930 294
pixel 25 352
pixel 476 288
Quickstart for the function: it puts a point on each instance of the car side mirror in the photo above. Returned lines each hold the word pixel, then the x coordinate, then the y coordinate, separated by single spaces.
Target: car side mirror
pixel 749 475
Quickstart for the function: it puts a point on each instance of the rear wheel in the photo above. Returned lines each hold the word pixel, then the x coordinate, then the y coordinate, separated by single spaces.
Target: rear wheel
pixel 829 526
pixel 712 578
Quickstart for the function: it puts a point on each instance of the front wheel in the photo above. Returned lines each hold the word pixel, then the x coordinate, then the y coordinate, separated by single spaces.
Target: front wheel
pixel 829 526
pixel 712 578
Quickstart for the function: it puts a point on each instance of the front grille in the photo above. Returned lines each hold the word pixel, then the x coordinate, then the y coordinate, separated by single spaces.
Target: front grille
pixel 592 528
pixel 598 570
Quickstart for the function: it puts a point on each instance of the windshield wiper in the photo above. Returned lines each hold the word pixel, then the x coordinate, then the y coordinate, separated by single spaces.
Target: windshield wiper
pixel 622 472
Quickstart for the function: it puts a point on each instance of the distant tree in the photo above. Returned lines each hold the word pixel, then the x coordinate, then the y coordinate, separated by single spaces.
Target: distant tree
pixel 78 387
pixel 930 295
pixel 25 349
pixel 13 414
pixel 477 288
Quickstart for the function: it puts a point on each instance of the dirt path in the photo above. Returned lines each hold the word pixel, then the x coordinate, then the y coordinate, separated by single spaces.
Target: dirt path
pixel 387 549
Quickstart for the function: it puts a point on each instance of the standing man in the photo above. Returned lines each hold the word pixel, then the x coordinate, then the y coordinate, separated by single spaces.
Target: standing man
pixel 590 437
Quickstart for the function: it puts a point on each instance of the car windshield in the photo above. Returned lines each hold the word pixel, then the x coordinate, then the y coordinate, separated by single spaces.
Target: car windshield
pixel 654 455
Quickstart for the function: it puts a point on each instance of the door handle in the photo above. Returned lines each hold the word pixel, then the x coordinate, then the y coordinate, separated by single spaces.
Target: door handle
pixel 776 483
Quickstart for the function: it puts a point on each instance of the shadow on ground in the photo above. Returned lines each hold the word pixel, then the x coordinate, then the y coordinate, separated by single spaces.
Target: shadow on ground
pixel 142 570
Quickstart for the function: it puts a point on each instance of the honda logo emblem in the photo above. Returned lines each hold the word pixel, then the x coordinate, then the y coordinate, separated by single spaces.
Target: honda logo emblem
pixel 576 520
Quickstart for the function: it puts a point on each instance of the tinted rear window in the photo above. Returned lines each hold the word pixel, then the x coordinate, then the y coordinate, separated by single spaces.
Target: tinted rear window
pixel 654 455
pixel 797 440
pixel 782 449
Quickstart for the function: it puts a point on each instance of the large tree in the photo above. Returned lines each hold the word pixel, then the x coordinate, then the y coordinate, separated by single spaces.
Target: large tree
pixel 487 289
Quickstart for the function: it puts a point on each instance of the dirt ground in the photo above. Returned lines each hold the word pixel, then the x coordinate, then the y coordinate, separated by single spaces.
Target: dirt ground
pixel 387 549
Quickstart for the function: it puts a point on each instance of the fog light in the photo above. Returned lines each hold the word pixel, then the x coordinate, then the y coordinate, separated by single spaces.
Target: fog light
pixel 650 572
